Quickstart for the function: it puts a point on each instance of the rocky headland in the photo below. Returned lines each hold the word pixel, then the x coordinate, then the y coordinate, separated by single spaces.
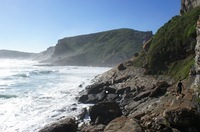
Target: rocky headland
pixel 106 48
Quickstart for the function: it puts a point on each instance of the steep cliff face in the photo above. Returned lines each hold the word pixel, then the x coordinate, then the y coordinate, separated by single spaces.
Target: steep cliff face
pixel 196 84
pixel 188 5
pixel 99 49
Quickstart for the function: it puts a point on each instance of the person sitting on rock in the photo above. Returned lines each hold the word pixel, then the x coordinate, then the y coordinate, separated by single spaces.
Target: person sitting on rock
pixel 179 87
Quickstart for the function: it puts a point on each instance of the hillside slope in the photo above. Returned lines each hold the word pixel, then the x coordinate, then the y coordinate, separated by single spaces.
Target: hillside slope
pixel 99 49
pixel 172 51
pixel 10 54
pixel 45 54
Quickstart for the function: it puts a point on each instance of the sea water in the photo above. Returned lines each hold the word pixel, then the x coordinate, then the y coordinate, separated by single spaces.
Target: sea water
pixel 32 95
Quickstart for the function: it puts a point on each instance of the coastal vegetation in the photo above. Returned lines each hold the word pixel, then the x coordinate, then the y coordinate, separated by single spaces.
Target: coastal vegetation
pixel 99 49
pixel 172 49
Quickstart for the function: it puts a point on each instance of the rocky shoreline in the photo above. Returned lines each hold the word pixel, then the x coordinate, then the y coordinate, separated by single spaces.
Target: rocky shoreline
pixel 125 99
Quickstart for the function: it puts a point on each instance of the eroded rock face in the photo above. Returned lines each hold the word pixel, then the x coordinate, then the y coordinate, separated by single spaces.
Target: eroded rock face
pixel 188 5
pixel 196 83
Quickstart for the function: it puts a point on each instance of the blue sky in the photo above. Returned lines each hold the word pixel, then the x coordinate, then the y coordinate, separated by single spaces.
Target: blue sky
pixel 35 25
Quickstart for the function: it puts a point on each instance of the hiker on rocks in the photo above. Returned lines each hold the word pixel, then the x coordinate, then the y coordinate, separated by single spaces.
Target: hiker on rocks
pixel 179 87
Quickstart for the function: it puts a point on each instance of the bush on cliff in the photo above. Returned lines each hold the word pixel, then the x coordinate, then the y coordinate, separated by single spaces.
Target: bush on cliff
pixel 172 49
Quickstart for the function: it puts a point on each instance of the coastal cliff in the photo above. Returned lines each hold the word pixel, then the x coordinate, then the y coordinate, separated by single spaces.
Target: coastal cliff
pixel 99 49
pixel 10 54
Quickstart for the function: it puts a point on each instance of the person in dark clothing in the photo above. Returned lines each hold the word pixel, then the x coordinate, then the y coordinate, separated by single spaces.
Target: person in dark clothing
pixel 179 87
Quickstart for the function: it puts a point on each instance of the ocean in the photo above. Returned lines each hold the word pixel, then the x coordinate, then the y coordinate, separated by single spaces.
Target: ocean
pixel 33 95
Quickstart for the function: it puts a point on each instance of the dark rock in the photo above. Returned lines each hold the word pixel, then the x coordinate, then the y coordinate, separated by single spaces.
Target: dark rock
pixel 93 98
pixel 95 88
pixel 123 90
pixel 121 67
pixel 98 120
pixel 83 114
pixel 107 111
pixel 65 125
pixel 182 117
pixel 162 84
pixel 123 124
pixel 160 89
pixel 83 98
pixel 109 90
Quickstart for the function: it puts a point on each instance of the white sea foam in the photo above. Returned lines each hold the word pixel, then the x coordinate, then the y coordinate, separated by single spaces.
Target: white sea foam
pixel 32 96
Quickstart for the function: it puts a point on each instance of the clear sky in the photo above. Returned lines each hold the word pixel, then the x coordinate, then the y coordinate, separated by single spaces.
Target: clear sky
pixel 35 25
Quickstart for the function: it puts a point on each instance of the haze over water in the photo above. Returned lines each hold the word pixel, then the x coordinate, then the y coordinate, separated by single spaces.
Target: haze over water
pixel 32 96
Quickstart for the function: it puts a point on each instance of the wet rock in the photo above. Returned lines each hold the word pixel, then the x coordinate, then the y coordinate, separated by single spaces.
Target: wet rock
pixel 65 125
pixel 83 114
pixel 106 111
pixel 123 124
pixel 83 98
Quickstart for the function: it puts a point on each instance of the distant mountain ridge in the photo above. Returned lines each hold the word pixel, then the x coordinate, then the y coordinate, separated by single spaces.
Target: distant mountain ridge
pixel 106 48
pixel 10 54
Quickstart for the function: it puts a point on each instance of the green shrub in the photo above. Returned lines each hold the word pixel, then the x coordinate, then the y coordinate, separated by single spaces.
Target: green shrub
pixel 172 49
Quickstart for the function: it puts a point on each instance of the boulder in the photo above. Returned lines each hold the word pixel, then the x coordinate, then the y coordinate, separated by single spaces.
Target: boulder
pixel 104 112
pixel 95 88
pixel 83 98
pixel 92 98
pixel 182 117
pixel 121 67
pixel 123 124
pixel 64 125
